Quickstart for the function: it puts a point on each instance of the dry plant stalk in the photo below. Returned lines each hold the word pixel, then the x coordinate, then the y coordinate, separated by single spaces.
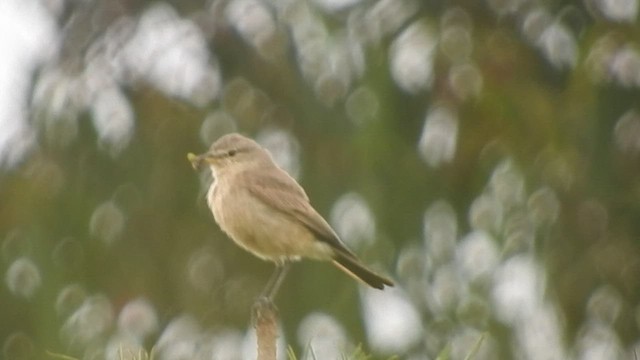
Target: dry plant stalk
pixel 265 321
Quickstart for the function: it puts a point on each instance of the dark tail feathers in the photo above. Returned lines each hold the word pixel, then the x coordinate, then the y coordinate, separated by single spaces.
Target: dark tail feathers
pixel 355 269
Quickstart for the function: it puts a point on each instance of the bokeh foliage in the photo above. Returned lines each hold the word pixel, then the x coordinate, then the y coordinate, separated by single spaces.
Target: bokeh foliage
pixel 404 103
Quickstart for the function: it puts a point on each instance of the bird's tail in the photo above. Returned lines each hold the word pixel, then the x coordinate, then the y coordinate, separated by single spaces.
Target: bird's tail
pixel 350 265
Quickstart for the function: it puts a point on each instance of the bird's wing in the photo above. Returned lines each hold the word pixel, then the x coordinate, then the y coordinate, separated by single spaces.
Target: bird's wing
pixel 282 193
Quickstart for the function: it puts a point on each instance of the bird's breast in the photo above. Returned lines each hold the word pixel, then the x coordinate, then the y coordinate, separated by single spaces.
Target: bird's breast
pixel 259 228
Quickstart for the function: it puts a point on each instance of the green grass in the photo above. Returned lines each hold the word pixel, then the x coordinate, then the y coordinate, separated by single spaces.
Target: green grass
pixel 130 355
pixel 445 354
pixel 357 354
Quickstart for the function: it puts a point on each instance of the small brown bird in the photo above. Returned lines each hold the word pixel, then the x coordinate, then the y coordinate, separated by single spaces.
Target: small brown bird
pixel 266 212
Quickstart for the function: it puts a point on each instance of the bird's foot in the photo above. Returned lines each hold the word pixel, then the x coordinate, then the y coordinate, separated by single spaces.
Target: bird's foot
pixel 263 310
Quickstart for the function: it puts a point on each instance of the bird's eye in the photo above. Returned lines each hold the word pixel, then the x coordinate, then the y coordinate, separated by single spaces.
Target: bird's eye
pixel 231 152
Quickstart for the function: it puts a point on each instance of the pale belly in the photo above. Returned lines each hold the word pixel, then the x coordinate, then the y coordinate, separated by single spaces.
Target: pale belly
pixel 265 232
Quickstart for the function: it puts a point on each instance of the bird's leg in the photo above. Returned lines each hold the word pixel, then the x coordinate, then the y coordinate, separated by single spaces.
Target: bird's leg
pixel 264 314
pixel 273 285
pixel 284 270
pixel 264 308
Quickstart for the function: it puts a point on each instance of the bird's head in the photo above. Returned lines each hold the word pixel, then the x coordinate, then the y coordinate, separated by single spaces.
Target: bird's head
pixel 230 151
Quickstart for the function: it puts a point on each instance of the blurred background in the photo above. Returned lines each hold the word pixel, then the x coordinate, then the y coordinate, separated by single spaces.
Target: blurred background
pixel 484 154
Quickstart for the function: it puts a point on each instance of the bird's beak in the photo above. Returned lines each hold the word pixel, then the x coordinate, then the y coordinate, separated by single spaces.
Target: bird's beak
pixel 197 161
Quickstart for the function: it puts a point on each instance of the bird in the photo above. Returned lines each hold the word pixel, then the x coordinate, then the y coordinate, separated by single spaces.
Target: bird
pixel 265 211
